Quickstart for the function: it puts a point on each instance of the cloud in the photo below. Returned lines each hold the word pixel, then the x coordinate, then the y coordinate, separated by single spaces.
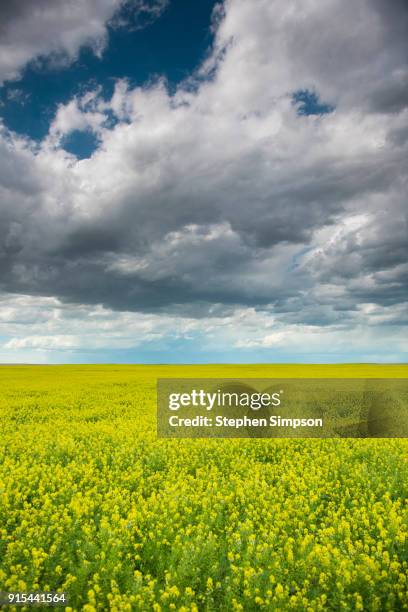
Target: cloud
pixel 42 342
pixel 56 31
pixel 47 330
pixel 221 197
pixel 47 324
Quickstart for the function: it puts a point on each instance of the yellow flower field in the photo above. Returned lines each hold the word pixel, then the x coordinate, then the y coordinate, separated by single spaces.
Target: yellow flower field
pixel 92 504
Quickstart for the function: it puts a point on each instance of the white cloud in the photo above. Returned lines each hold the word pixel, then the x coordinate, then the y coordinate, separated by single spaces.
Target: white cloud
pixel 42 342
pixel 56 31
pixel 78 114
pixel 45 330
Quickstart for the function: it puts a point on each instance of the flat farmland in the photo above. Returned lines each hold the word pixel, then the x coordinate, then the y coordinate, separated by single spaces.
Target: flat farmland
pixel 94 505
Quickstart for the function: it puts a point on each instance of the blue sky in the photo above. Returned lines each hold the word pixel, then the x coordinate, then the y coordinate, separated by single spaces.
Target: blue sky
pixel 197 182
pixel 172 45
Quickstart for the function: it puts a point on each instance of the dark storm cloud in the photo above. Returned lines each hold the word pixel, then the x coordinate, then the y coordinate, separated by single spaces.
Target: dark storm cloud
pixel 389 92
pixel 13 9
pixel 391 96
pixel 370 262
pixel 394 17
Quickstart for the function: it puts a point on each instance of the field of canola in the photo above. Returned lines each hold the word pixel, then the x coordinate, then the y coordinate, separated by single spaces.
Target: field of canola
pixel 91 503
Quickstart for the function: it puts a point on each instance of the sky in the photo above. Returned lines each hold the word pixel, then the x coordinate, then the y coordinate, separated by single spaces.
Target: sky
pixel 204 181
